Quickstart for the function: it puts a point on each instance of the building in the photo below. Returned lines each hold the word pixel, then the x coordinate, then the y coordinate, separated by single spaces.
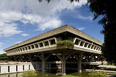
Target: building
pixel 43 48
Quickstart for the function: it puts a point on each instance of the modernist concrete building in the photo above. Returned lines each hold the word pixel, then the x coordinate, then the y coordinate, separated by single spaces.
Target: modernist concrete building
pixel 43 48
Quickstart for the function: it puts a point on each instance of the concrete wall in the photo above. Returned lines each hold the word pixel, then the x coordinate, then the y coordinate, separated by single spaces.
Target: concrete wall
pixel 19 67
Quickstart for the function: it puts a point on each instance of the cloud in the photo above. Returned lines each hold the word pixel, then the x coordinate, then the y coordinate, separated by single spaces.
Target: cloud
pixel 1 44
pixel 25 34
pixel 42 14
pixel 81 28
pixel 1 51
pixel 84 17
pixel 7 29
pixel 18 42
pixel 50 23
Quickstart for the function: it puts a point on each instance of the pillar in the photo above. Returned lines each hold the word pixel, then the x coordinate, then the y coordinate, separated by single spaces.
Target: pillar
pixel 63 58
pixel 63 64
pixel 43 65
pixel 43 58
pixel 79 63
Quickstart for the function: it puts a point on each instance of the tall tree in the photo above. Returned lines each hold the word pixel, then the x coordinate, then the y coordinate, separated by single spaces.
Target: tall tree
pixel 106 9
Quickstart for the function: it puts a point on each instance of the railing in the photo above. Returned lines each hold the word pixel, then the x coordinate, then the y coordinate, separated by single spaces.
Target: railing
pixel 86 45
pixel 79 43
pixel 34 46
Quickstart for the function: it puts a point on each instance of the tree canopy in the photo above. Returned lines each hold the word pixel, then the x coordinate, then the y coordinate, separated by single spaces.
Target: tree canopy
pixel 105 8
pixel 3 57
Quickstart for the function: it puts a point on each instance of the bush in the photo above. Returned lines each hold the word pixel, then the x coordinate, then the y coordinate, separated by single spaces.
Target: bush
pixel 69 76
pixel 98 73
pixel 30 73
pixel 3 57
pixel 65 44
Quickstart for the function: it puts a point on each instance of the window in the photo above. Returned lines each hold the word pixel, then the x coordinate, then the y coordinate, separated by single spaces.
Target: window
pixel 29 47
pixel 81 44
pixel 32 46
pixel 52 42
pixel 92 46
pixel 86 44
pixel 77 41
pixel 16 68
pixel 8 68
pixel 89 45
pixel 29 67
pixel 36 45
pixel 23 67
pixel 41 44
pixel 46 43
pixel 26 48
pixel 21 49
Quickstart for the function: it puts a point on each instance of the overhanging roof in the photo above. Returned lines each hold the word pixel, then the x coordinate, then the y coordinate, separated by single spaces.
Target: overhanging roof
pixel 65 28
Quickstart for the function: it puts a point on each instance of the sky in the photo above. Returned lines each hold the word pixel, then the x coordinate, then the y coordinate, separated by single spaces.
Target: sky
pixel 23 19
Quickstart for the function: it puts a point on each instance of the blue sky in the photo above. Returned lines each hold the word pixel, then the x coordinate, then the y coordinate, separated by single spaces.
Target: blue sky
pixel 24 19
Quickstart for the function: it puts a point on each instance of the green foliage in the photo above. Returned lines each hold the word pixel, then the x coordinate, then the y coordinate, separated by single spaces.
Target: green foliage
pixel 65 44
pixel 106 9
pixel 98 73
pixel 30 73
pixel 3 57
pixel 69 76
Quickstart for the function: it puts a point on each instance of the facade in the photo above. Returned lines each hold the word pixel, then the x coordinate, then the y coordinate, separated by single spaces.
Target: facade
pixel 43 48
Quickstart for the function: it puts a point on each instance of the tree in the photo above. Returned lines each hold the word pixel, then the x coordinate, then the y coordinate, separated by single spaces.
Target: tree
pixel 106 9
pixel 3 57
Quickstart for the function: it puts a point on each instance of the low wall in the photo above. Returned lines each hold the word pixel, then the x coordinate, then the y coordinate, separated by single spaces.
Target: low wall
pixel 20 67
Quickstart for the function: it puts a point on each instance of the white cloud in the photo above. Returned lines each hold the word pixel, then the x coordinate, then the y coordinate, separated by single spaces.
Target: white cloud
pixel 31 11
pixel 1 44
pixel 50 23
pixel 18 42
pixel 25 34
pixel 84 17
pixel 1 51
pixel 81 28
pixel 8 29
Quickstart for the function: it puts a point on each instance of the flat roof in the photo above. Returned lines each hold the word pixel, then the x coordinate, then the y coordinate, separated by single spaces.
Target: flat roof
pixel 65 28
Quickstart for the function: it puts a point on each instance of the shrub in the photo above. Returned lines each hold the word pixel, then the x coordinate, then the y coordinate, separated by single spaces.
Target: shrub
pixel 65 44
pixel 69 76
pixel 98 73
pixel 30 73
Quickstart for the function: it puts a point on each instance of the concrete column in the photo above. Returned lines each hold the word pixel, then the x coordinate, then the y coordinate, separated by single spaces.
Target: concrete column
pixel 63 64
pixel 74 40
pixel 84 43
pixel 43 58
pixel 79 43
pixel 49 43
pixel 43 65
pixel 43 44
pixel 79 63
pixel 63 58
